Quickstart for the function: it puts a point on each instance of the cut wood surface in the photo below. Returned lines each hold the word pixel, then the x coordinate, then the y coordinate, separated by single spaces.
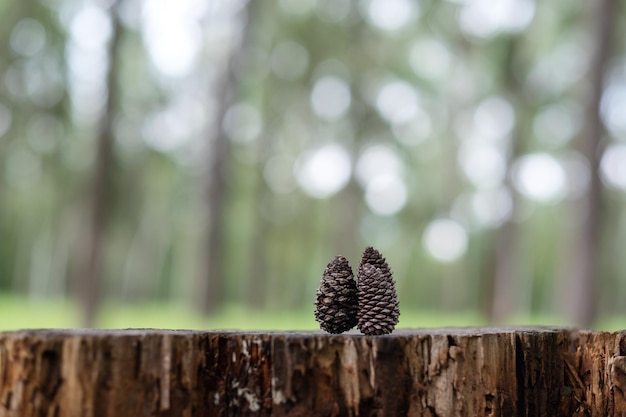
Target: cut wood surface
pixel 430 372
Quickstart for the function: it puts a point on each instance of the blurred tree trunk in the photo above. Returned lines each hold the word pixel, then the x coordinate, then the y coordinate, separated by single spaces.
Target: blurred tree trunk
pixel 506 279
pixel 256 284
pixel 212 281
pixel 218 162
pixel 256 290
pixel 578 298
pixel 90 262
pixel 506 285
pixel 216 187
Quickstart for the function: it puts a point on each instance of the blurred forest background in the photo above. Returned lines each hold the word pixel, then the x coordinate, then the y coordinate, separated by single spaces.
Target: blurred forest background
pixel 216 155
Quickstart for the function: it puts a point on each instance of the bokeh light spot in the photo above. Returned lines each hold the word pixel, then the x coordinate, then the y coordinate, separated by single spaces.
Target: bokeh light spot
pixel 540 177
pixel 445 240
pixel 278 174
pixel 386 195
pixel 492 207
pixel 494 118
pixel 613 109
pixel 613 166
pixel 556 124
pixel 486 18
pixel 330 98
pixel 397 102
pixel 28 37
pixel 172 35
pixel 390 15
pixel 91 27
pixel 376 161
pixel 324 171
pixel 430 59
pixel 483 165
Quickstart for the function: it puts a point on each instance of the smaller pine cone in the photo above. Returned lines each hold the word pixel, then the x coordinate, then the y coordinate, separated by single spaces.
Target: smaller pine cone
pixel 379 309
pixel 336 304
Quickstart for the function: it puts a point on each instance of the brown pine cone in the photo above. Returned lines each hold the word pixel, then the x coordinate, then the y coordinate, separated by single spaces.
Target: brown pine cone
pixel 336 304
pixel 379 309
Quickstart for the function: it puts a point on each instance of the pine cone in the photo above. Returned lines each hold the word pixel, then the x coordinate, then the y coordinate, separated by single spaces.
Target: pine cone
pixel 337 304
pixel 378 301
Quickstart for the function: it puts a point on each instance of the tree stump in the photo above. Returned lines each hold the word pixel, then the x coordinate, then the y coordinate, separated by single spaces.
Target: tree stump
pixel 434 372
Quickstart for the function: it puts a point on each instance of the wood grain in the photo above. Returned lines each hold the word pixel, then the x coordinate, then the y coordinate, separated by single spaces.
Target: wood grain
pixel 429 372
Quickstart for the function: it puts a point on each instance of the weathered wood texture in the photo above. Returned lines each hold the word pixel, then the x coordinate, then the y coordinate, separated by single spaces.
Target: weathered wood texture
pixel 443 372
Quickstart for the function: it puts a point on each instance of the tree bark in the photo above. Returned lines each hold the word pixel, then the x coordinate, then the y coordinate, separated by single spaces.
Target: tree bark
pixel 437 372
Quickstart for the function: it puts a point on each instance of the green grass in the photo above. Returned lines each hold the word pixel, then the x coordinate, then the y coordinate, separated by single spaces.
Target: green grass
pixel 19 313
pixel 22 313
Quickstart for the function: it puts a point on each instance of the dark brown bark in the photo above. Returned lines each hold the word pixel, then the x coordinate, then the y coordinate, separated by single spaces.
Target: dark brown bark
pixel 579 296
pixel 90 269
pixel 438 372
